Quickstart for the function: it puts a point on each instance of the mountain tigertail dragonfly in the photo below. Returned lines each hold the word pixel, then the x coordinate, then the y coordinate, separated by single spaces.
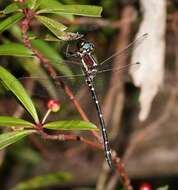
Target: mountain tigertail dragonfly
pixel 90 68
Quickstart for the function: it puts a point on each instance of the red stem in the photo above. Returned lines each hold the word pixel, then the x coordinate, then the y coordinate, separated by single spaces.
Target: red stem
pixel 64 137
pixel 45 63
pixel 29 14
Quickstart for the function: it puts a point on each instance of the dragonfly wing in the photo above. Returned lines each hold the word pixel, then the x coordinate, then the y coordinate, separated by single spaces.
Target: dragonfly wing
pixel 120 55
pixel 45 86
pixel 120 68
pixel 103 77
pixel 62 65
pixel 34 86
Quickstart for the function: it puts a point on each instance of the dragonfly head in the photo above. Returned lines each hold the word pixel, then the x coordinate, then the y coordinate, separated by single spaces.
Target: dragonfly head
pixel 86 47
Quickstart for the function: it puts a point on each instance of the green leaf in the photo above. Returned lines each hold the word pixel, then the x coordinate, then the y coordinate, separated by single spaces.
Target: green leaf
pixel 11 20
pixel 18 90
pixel 11 8
pixel 44 181
pixel 163 188
pixel 55 27
pixel 13 121
pixel 70 125
pixel 28 4
pixel 51 54
pixel 15 49
pixel 35 4
pixel 52 4
pixel 82 10
pixel 49 3
pixel 9 138
pixel 16 31
pixel 51 38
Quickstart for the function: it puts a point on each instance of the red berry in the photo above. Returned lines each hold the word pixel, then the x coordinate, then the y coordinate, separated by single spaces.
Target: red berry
pixel 53 105
pixel 145 186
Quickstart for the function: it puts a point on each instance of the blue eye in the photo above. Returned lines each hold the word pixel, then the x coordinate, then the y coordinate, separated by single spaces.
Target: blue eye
pixel 87 46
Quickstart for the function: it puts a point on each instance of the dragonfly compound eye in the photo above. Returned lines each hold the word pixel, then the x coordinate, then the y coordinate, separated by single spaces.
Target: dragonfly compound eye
pixel 86 47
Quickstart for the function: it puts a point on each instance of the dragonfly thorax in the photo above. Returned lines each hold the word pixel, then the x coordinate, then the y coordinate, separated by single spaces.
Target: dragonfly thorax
pixel 88 62
pixel 89 65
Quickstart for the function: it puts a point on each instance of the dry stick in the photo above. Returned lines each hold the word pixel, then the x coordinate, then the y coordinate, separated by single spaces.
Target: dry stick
pixel 115 99
pixel 100 22
pixel 24 28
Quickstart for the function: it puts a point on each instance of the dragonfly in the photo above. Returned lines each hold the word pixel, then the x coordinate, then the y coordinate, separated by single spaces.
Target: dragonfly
pixel 90 68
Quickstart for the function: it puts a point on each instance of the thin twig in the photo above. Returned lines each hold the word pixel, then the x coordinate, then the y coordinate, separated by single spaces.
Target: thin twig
pixel 64 137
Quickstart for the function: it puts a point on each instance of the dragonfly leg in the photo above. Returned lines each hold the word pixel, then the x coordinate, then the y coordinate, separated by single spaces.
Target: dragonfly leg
pixel 70 54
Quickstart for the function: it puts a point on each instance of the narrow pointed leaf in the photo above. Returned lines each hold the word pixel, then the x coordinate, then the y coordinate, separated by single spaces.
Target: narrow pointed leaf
pixel 44 181
pixel 18 90
pixel 35 4
pixel 65 37
pixel 55 27
pixel 13 121
pixel 70 125
pixel 9 138
pixel 82 10
pixel 11 8
pixel 15 49
pixel 11 20
pixel 52 4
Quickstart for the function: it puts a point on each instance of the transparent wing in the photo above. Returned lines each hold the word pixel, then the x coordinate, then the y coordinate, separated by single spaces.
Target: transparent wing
pixel 68 66
pixel 120 55
pixel 42 89
pixel 74 78
pixel 45 88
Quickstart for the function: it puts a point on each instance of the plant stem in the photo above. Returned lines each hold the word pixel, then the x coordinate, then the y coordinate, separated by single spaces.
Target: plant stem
pixel 29 14
pixel 45 117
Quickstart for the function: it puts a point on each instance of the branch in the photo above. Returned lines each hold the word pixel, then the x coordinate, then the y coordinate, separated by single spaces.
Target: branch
pixel 100 23
pixel 64 137
pixel 29 14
